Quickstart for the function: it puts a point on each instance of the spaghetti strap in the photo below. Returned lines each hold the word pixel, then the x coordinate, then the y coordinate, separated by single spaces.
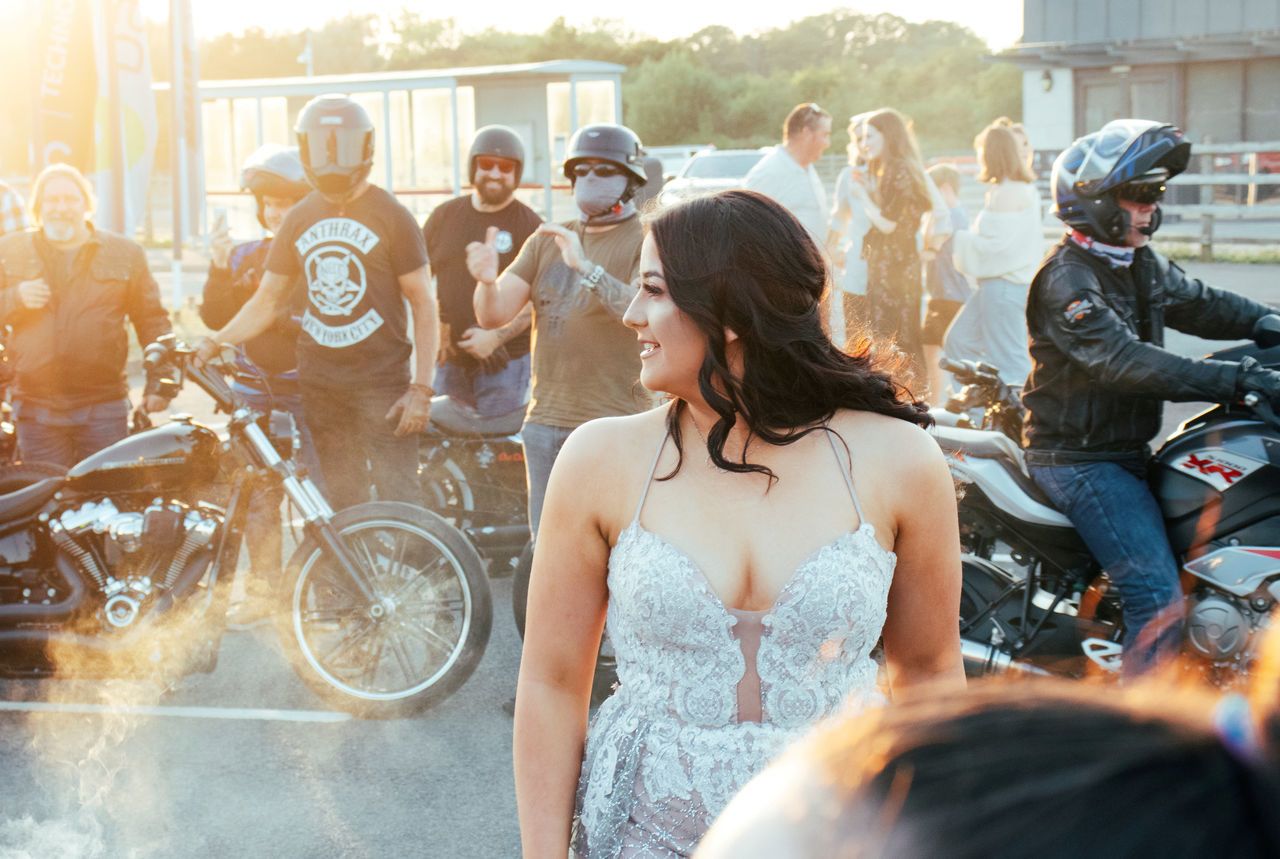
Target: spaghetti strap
pixel 653 469
pixel 846 474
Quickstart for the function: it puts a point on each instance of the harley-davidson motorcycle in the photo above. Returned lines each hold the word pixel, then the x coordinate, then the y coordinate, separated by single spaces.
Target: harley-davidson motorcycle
pixel 1034 600
pixel 123 564
pixel 472 473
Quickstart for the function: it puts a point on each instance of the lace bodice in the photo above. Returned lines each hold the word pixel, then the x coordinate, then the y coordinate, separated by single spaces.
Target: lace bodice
pixel 668 750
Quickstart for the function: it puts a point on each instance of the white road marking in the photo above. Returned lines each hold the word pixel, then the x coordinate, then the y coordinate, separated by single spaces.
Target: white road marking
pixel 236 713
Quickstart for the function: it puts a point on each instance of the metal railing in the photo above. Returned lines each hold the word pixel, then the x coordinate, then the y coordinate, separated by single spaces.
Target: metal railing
pixel 1249 172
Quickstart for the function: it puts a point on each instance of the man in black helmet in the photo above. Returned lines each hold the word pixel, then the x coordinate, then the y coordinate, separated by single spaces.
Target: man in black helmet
pixel 578 276
pixel 362 257
pixel 1096 314
pixel 485 368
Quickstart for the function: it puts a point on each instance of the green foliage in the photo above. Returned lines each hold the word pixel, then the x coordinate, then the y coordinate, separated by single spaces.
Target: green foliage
pixel 713 86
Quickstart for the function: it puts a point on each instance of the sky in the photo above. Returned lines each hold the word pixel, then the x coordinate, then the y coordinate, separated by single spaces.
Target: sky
pixel 999 22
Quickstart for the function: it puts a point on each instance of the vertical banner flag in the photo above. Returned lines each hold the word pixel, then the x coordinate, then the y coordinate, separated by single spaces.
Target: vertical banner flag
pixel 64 128
pixel 192 137
pixel 126 125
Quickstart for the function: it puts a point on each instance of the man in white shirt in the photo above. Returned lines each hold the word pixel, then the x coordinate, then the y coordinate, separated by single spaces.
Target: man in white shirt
pixel 786 174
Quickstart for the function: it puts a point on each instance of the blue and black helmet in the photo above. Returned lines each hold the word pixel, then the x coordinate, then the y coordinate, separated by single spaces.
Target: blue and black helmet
pixel 1122 152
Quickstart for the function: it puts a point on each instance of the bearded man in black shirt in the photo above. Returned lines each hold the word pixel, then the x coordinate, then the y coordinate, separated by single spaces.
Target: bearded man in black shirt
pixel 485 368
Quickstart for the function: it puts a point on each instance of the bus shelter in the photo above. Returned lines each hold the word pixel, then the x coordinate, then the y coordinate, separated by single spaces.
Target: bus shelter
pixel 423 122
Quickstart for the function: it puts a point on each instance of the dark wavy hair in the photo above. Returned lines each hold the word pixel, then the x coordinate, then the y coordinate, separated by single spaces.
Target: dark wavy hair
pixel 738 259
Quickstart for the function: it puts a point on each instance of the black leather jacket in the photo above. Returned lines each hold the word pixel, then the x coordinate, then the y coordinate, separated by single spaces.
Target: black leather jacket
pixel 1099 374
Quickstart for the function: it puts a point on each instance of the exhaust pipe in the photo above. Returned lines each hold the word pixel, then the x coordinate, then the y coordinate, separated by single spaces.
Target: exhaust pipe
pixel 987 659
pixel 53 612
pixel 498 536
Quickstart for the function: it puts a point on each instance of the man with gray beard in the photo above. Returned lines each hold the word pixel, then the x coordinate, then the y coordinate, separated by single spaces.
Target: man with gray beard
pixel 65 290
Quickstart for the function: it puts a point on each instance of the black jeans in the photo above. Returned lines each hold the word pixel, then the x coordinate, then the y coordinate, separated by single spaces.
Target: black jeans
pixel 357 447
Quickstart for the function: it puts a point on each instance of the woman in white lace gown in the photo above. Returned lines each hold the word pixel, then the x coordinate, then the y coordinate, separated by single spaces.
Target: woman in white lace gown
pixel 749 542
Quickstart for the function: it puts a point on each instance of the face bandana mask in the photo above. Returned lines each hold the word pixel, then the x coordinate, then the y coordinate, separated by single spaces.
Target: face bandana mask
pixel 597 198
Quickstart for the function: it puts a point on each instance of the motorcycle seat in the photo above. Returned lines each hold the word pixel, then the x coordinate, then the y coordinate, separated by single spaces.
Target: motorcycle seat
pixel 28 499
pixel 986 444
pixel 451 417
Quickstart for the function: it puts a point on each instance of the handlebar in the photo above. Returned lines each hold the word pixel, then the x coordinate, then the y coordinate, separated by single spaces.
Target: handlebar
pixel 1261 407
pixel 168 354
pixel 971 372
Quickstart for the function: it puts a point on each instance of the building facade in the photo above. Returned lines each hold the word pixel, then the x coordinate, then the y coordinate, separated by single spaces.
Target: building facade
pixel 1211 67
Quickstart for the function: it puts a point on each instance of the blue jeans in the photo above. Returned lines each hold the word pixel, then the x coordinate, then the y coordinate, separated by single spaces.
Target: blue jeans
pixel 1112 508
pixel 66 436
pixel 490 394
pixel 992 327
pixel 542 445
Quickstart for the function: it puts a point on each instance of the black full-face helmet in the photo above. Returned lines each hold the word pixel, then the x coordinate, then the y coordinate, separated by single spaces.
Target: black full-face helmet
pixel 610 142
pixel 1118 158
pixel 335 141
pixel 496 141
pixel 274 171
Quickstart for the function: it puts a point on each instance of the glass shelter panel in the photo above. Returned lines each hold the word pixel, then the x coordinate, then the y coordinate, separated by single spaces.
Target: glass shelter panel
pixel 558 123
pixel 219 157
pixel 596 102
pixel 432 139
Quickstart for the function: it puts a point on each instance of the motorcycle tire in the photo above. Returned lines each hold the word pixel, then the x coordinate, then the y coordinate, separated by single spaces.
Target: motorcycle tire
pixel 446 491
pixel 606 673
pixel 383 660
pixel 520 586
pixel 23 474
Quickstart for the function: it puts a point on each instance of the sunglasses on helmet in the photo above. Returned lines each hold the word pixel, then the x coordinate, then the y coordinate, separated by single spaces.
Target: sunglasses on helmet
pixel 1144 193
pixel 604 171
pixel 502 165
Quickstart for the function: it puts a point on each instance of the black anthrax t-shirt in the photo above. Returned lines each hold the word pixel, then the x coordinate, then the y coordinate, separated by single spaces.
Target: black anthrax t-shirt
pixel 451 227
pixel 354 328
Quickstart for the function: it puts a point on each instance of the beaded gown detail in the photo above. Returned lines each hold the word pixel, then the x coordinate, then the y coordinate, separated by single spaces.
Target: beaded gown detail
pixel 707 694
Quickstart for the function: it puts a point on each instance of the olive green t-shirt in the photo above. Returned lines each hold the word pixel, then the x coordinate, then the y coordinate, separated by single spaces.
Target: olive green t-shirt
pixel 586 363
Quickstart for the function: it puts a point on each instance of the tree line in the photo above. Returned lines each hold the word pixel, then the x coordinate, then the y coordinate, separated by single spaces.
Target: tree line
pixel 714 86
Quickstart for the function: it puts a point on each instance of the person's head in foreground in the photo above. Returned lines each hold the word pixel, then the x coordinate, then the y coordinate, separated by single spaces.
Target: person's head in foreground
pixel 728 313
pixel 1035 769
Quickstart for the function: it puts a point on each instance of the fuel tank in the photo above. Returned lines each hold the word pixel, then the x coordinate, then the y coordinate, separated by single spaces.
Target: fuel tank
pixel 1218 481
pixel 169 457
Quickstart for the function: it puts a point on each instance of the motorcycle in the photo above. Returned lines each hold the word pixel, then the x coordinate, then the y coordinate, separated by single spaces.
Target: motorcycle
pixel 1033 598
pixel 122 565
pixel 983 394
pixel 472 473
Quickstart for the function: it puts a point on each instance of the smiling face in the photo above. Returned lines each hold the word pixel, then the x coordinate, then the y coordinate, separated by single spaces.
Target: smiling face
pixel 672 347
pixel 870 141
pixel 274 209
pixel 494 178
pixel 63 209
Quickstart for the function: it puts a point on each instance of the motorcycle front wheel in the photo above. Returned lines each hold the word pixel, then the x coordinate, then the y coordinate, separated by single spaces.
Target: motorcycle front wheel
pixel 421 636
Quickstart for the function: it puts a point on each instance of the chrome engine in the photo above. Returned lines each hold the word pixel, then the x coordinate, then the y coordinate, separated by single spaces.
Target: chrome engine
pixel 131 555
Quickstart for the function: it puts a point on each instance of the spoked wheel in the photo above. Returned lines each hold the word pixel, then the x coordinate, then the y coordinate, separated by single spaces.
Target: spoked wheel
pixel 420 637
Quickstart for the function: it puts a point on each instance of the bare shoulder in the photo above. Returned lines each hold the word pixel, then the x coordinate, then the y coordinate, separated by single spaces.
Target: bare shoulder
pixel 606 461
pixel 888 447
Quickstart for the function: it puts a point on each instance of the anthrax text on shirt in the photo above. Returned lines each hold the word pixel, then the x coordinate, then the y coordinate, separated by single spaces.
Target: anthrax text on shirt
pixel 333 252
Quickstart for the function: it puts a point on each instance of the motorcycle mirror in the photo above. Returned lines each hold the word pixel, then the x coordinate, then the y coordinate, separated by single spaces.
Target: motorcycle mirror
pixel 1266 331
